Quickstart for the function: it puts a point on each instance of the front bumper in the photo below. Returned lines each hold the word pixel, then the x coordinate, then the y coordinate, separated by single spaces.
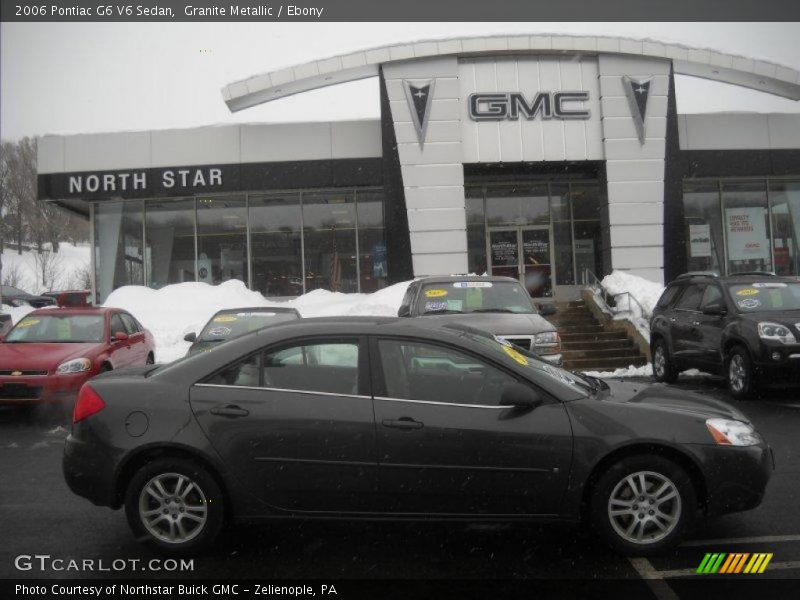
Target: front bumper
pixel 735 477
pixel 41 389
pixel 778 364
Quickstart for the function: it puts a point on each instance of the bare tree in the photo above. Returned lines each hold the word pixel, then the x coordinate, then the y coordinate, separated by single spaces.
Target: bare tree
pixel 13 276
pixel 48 266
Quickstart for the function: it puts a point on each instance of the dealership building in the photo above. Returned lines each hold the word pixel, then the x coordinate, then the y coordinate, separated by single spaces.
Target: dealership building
pixel 554 159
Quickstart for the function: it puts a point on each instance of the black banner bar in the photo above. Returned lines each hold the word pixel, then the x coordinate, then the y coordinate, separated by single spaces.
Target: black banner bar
pixel 405 10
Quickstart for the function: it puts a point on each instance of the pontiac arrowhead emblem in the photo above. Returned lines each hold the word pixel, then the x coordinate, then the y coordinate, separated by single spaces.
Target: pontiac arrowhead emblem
pixel 419 97
pixel 637 92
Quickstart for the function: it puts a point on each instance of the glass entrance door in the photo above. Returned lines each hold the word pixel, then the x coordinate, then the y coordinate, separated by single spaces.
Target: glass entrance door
pixel 523 253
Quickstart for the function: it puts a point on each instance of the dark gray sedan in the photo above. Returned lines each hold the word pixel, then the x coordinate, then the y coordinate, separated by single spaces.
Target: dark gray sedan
pixel 404 419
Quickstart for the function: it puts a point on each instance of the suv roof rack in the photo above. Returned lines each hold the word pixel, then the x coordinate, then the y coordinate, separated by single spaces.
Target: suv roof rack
pixel 698 274
pixel 757 273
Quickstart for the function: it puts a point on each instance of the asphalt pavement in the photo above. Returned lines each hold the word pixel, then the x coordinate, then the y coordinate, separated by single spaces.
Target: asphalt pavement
pixel 40 516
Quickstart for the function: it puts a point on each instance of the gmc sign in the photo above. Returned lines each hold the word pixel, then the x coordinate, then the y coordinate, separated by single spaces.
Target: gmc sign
pixel 509 106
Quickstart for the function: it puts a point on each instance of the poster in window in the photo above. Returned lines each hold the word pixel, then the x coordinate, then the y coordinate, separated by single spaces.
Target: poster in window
pixel 700 240
pixel 747 233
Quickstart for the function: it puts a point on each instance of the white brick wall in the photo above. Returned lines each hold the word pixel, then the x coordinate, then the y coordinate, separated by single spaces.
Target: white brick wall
pixel 635 171
pixel 433 176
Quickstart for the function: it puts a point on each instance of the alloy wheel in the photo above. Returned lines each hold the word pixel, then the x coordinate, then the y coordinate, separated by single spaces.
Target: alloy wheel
pixel 737 373
pixel 173 508
pixel 644 507
pixel 659 361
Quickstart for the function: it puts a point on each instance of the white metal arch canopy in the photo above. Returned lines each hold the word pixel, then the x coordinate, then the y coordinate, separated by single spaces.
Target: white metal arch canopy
pixel 737 70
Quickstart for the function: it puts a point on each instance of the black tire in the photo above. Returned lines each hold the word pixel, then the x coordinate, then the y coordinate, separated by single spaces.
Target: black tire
pixel 665 371
pixel 740 373
pixel 150 360
pixel 659 533
pixel 206 493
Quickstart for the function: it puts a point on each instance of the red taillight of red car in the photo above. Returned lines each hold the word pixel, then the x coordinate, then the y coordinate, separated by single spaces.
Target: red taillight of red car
pixel 89 402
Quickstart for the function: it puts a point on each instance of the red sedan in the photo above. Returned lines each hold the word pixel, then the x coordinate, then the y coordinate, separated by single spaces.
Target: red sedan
pixel 51 352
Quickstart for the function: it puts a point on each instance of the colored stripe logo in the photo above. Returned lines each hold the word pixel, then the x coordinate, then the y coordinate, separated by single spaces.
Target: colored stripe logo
pixel 735 562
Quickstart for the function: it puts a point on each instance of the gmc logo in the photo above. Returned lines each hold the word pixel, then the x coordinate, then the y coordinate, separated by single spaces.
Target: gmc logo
pixel 510 106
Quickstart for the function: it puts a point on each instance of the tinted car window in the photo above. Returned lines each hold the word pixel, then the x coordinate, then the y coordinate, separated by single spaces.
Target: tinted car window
pixel 712 295
pixel 419 371
pixel 768 296
pixel 131 326
pixel 690 299
pixel 243 373
pixel 117 325
pixel 325 366
pixel 668 296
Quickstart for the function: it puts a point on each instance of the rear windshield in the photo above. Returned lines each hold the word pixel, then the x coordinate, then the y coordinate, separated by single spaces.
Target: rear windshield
pixel 227 325
pixel 57 328
pixel 765 296
pixel 474 296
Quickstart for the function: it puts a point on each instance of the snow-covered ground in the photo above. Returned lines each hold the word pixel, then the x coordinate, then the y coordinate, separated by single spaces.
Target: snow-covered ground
pixel 175 310
pixel 65 273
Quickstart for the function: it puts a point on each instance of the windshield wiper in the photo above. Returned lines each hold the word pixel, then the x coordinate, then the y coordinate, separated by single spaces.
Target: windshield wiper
pixel 442 311
pixel 492 310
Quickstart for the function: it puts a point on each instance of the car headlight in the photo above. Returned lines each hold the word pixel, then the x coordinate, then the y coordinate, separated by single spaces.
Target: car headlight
pixel 775 331
pixel 727 432
pixel 549 338
pixel 76 365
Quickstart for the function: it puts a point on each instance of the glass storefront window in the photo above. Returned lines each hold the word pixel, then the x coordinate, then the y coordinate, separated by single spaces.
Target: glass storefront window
pixel 476 231
pixel 517 205
pixel 221 239
pixel 276 244
pixel 373 262
pixel 785 200
pixel 169 241
pixel 588 248
pixel 560 209
pixel 703 223
pixel 118 246
pixel 329 232
pixel 746 226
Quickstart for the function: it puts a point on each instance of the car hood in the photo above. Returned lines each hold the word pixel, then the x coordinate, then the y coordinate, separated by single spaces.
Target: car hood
pixel 42 356
pixel 663 397
pixel 503 323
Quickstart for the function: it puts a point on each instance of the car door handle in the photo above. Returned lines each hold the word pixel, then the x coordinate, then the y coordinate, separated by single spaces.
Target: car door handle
pixel 229 410
pixel 403 423
pixel 695 322
pixel 672 319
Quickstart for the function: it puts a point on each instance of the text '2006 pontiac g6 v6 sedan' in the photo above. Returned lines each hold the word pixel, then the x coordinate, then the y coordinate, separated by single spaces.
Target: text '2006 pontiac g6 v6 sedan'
pixel 406 419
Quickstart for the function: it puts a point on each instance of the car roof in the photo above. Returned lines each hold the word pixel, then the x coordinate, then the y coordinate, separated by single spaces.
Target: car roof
pixel 76 310
pixel 453 278
pixel 735 278
pixel 283 309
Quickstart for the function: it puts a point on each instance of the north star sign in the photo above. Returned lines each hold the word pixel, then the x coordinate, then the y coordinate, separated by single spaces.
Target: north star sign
pixel 137 180
pixel 510 106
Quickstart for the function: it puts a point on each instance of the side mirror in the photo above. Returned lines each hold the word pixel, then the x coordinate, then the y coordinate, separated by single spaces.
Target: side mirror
pixel 120 336
pixel 404 311
pixel 715 309
pixel 520 395
pixel 190 337
pixel 547 309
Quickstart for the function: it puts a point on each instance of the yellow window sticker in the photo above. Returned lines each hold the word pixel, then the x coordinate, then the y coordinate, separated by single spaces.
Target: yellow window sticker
pixel 515 355
pixel 27 322
pixel 437 293
pixel 747 292
pixel 224 319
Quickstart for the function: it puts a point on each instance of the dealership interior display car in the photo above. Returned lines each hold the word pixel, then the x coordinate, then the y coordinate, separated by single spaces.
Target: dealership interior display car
pixel 745 326
pixel 407 419
pixel 50 353
pixel 497 305
pixel 232 322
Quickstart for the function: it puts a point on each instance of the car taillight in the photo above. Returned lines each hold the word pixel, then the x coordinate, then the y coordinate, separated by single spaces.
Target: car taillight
pixel 89 402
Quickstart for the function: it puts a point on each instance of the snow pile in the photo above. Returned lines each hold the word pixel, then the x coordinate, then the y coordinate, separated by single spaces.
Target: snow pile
pixel 175 310
pixel 644 371
pixel 645 295
pixel 65 268
pixel 16 312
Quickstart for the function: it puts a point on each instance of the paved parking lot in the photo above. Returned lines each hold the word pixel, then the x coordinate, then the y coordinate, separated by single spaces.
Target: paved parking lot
pixel 39 515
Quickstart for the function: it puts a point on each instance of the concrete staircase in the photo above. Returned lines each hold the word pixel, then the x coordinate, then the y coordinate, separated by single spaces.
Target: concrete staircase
pixel 587 346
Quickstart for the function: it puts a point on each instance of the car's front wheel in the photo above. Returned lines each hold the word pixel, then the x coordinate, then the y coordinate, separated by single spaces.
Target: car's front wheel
pixel 643 505
pixel 174 505
pixel 740 373
pixel 663 367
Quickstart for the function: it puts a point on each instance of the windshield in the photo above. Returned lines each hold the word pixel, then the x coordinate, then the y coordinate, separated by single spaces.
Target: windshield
pixel 69 329
pixel 765 296
pixel 499 347
pixel 474 296
pixel 228 324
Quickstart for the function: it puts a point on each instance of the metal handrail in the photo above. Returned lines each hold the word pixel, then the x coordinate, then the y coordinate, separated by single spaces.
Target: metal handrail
pixel 593 282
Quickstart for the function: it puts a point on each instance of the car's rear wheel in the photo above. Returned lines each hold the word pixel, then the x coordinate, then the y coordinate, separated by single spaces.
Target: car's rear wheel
pixel 663 367
pixel 643 505
pixel 740 373
pixel 174 505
